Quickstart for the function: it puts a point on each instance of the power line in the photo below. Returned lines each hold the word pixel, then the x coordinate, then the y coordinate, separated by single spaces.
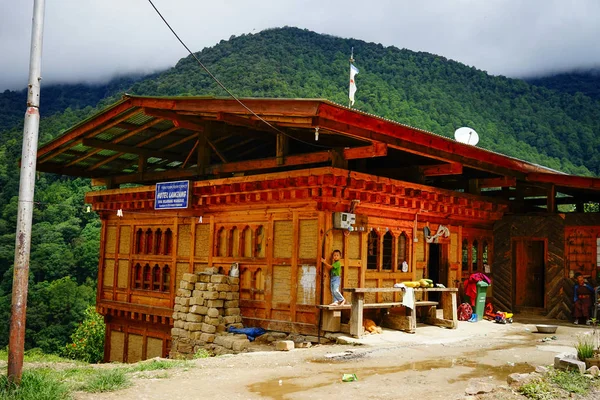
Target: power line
pixel 225 88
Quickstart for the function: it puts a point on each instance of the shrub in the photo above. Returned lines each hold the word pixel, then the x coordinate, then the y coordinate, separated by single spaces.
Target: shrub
pixel 88 339
pixel 584 347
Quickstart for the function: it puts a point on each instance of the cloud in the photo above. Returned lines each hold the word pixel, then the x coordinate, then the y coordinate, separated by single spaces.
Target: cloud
pixel 92 41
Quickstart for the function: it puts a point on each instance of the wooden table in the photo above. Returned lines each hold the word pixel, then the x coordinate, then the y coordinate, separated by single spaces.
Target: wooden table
pixel 406 322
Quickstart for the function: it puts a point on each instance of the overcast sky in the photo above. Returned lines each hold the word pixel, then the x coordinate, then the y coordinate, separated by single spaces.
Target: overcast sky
pixel 93 40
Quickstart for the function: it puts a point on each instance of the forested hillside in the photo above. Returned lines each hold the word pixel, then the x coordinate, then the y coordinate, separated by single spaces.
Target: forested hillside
pixel 585 82
pixel 57 98
pixel 419 89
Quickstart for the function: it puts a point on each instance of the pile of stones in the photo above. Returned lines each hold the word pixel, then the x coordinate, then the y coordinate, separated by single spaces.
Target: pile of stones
pixel 207 304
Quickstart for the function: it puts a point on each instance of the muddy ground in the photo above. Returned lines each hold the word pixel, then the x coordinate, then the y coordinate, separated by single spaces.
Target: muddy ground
pixel 433 363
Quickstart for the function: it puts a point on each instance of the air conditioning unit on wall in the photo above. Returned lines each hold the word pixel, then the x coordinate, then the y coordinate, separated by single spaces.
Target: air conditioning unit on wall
pixel 342 220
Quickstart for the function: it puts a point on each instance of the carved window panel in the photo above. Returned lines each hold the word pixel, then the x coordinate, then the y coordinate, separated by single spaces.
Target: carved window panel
pixel 387 260
pixel 147 277
pixel 137 276
pixel 474 255
pixel 156 278
pixel 465 255
pixel 372 250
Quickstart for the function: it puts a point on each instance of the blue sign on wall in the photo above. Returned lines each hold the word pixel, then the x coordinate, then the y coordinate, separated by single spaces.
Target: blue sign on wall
pixel 169 195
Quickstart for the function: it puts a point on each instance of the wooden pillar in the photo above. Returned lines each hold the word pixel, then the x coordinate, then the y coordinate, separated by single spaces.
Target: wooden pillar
pixel 551 199
pixel 474 186
pixel 282 148
pixel 579 207
pixel 203 149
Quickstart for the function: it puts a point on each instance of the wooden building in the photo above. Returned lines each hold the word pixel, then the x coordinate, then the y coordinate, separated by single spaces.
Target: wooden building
pixel 266 178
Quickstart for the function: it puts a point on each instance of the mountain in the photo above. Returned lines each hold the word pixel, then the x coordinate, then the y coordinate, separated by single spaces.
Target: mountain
pixel 586 82
pixel 416 88
pixel 57 98
pixel 549 127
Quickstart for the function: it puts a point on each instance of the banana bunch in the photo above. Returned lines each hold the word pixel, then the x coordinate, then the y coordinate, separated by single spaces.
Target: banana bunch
pixel 425 283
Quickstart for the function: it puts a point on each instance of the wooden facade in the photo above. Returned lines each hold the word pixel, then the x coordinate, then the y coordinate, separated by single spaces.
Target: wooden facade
pixel 264 188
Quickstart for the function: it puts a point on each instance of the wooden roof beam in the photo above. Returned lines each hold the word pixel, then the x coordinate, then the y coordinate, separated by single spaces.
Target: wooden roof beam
pixel 570 181
pixel 116 140
pixel 505 181
pixel 85 127
pixel 248 122
pixel 75 141
pixel 375 150
pixel 242 166
pixel 101 144
pixel 442 169
pixel 178 120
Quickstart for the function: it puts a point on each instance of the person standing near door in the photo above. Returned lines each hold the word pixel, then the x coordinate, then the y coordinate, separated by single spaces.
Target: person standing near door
pixel 583 300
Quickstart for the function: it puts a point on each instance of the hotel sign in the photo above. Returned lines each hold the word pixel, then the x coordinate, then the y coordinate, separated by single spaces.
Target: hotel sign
pixel 170 195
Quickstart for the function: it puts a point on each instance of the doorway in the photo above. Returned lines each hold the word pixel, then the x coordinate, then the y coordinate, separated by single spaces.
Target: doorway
pixel 529 266
pixel 437 266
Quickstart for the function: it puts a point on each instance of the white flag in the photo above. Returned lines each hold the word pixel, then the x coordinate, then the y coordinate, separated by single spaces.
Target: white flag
pixel 353 71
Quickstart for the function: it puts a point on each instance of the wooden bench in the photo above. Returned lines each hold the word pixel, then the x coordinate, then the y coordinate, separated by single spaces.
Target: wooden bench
pixel 331 315
pixel 406 322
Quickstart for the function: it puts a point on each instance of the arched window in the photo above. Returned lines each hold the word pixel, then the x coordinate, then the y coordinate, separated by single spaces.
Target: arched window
pixel 137 276
pixel 148 242
pixel 484 254
pixel 147 277
pixel 234 242
pixel 465 255
pixel 221 243
pixel 166 279
pixel 139 241
pixel 402 250
pixel 156 278
pixel 474 255
pixel 168 242
pixel 260 242
pixel 388 245
pixel 372 250
pixel 246 242
pixel 158 242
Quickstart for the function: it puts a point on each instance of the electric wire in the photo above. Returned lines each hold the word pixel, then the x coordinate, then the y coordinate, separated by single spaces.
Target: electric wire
pixel 225 88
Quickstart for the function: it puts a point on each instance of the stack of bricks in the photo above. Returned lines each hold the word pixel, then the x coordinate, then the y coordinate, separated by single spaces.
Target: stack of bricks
pixel 206 305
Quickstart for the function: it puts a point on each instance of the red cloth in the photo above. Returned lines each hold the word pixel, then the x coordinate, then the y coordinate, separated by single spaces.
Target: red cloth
pixel 464 312
pixel 471 285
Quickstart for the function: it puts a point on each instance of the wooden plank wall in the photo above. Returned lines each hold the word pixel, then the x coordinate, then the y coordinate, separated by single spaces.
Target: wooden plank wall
pixel 549 227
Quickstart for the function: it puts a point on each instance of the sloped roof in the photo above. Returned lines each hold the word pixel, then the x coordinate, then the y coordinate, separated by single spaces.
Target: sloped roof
pixel 150 139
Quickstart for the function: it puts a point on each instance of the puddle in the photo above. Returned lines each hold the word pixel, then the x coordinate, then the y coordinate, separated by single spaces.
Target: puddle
pixel 279 388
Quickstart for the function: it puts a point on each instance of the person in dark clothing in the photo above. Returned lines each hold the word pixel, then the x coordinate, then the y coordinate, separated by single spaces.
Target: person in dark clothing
pixel 583 298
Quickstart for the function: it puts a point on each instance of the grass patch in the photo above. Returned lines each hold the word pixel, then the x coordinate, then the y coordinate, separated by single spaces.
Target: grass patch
pixel 36 355
pixel 156 365
pixel 584 347
pixel 571 381
pixel 107 380
pixel 38 384
pixel 538 389
pixel 202 353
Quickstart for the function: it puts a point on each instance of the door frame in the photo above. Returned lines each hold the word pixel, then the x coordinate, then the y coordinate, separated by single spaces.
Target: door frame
pixel 524 239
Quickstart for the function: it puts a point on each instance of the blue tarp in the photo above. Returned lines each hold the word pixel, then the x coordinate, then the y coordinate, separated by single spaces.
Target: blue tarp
pixel 251 333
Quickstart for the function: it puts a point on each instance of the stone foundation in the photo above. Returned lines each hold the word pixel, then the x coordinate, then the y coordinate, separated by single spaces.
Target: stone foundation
pixel 206 305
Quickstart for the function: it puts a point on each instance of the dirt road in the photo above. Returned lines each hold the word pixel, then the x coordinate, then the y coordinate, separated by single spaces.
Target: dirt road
pixel 434 363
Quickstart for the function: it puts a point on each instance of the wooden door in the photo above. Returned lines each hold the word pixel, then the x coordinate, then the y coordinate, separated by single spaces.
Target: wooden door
pixel 437 266
pixel 529 262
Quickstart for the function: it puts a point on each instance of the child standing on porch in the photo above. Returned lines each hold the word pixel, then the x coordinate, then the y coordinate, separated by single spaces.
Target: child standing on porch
pixel 336 278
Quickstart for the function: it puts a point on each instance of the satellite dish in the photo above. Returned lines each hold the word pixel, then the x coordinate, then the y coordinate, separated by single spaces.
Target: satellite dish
pixel 466 135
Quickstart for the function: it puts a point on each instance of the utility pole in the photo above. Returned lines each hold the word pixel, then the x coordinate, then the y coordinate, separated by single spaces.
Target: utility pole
pixel 16 343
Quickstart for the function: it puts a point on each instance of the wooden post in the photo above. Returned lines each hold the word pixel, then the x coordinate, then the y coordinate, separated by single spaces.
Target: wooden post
pixel 356 316
pixel 551 199
pixel 282 148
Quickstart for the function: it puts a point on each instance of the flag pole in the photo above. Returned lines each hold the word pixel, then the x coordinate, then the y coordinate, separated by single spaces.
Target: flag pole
pixel 16 342
pixel 350 75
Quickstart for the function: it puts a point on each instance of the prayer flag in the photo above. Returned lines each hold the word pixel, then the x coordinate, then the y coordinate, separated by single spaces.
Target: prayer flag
pixel 353 71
